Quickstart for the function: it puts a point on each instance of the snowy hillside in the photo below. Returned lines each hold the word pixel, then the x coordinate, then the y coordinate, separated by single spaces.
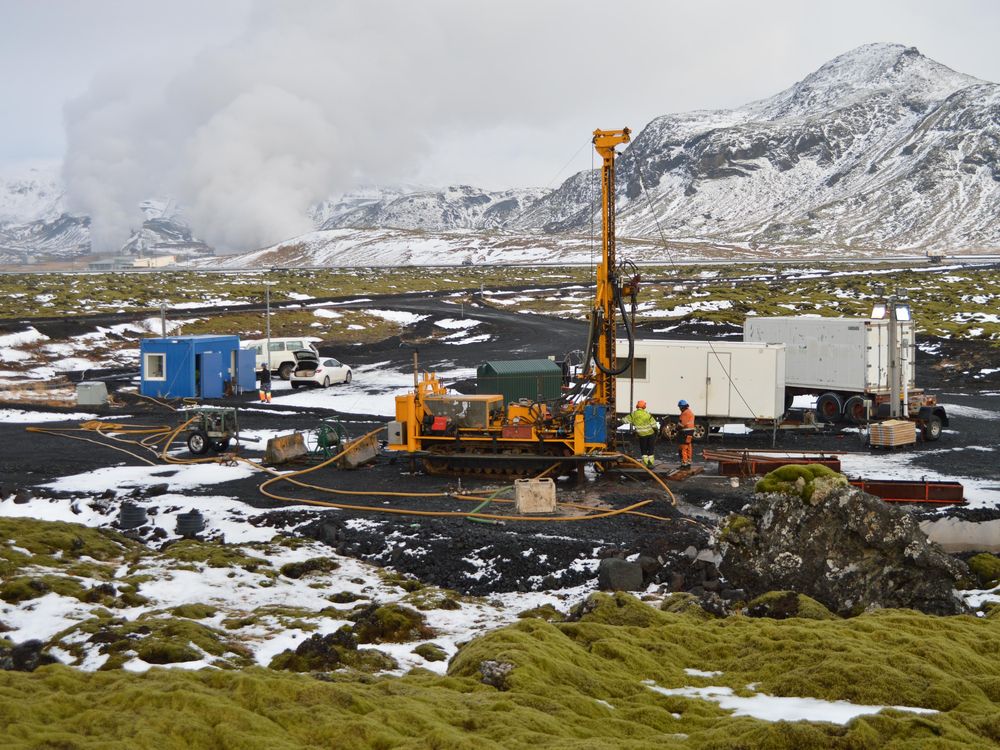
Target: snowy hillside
pixel 30 192
pixel 456 207
pixel 879 148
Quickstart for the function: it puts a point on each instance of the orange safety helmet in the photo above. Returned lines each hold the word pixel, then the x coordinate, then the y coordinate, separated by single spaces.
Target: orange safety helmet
pixel 640 404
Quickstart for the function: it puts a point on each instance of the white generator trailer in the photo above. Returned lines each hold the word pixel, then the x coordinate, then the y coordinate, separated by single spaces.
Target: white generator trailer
pixel 725 382
pixel 845 363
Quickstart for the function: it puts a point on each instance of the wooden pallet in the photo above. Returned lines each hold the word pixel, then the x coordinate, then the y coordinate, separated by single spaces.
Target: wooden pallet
pixel 892 433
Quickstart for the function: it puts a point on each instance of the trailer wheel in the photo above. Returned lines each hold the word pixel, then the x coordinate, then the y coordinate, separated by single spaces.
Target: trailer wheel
pixel 932 428
pixel 668 429
pixel 829 407
pixel 855 410
pixel 197 443
pixel 700 430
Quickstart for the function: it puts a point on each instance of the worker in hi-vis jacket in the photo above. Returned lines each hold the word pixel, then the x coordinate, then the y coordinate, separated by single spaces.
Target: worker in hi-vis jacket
pixel 645 427
pixel 685 433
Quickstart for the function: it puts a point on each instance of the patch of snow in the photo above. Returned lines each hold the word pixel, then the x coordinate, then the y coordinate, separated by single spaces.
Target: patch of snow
pixel 20 416
pixel 775 708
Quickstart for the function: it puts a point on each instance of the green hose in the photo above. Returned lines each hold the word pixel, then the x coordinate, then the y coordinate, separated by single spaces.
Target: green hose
pixel 489 499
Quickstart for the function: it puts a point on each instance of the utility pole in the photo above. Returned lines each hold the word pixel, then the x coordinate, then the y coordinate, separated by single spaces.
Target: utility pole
pixel 163 319
pixel 267 304
pixel 894 368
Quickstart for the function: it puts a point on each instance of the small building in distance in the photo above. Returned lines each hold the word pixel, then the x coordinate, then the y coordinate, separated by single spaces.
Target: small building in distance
pixel 194 366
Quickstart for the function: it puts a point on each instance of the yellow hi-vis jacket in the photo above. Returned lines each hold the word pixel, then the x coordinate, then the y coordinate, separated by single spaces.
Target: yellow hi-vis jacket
pixel 643 422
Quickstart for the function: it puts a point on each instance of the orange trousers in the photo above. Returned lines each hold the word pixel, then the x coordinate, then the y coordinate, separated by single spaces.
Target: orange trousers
pixel 686 450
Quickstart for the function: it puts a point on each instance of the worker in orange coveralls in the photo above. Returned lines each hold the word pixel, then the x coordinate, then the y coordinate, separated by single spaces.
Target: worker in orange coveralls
pixel 686 433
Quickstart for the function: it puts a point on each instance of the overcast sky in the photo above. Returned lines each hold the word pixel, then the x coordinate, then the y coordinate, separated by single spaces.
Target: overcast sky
pixel 495 94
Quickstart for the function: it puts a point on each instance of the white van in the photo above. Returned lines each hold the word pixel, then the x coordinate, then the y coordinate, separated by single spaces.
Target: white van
pixel 282 359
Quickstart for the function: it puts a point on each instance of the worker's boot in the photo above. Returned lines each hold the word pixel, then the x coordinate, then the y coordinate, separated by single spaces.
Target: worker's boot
pixel 649 461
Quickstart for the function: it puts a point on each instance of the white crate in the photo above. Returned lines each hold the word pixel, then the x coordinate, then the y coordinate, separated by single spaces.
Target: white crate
pixel 535 496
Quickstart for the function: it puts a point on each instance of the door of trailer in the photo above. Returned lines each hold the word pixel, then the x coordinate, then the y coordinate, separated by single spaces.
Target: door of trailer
pixel 246 374
pixel 210 374
pixel 717 386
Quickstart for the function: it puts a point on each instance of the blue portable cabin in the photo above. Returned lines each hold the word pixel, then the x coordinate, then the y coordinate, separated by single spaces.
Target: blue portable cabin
pixel 194 366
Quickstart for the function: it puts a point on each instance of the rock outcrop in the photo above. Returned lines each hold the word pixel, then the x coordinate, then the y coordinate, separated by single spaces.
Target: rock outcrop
pixel 817 536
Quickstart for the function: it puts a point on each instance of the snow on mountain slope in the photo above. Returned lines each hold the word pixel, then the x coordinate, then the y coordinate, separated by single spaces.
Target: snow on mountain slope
pixel 880 147
pixel 30 192
pixel 456 207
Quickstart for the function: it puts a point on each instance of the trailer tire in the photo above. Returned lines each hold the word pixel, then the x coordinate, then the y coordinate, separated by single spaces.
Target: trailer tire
pixel 854 410
pixel 668 429
pixel 932 428
pixel 197 443
pixel 700 430
pixel 829 408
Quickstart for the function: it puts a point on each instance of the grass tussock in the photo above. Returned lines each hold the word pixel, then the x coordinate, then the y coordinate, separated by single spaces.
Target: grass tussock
pixel 573 684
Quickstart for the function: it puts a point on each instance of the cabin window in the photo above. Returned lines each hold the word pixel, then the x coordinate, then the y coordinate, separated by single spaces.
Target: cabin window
pixel 156 367
pixel 639 366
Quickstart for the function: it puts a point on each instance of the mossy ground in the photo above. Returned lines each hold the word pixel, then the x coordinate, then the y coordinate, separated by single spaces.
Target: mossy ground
pixel 574 684
pixel 960 304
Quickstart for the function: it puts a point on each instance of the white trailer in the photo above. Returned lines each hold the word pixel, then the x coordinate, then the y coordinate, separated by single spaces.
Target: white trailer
pixel 845 363
pixel 724 381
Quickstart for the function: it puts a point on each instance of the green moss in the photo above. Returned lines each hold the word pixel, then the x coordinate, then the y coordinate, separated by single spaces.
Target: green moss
pixel 431 652
pixel 392 578
pixel 165 652
pixel 545 612
pixel 390 623
pixel 68 540
pixel 312 565
pixel 683 603
pixel 428 598
pixel 330 652
pixel 561 677
pixel 986 568
pixel 344 597
pixel 194 611
pixel 785 604
pixel 217 555
pixel 801 480
pixel 23 588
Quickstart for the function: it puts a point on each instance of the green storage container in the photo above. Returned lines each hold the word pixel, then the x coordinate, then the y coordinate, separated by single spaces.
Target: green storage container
pixel 534 379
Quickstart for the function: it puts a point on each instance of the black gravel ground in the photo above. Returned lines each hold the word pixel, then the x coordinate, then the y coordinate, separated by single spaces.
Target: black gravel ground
pixel 477 557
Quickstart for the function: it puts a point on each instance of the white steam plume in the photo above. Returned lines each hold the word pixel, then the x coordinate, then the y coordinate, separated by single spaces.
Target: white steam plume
pixel 312 98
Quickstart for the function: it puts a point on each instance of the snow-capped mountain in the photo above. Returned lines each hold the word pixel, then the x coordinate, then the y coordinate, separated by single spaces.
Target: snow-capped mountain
pixel 164 232
pixel 30 192
pixel 880 150
pixel 33 221
pixel 456 207
pixel 880 147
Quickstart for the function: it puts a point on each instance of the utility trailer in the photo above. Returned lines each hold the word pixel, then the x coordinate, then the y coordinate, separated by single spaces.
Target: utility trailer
pixel 845 363
pixel 725 382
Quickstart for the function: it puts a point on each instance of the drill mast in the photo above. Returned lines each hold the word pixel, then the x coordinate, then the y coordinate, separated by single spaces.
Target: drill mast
pixel 605 355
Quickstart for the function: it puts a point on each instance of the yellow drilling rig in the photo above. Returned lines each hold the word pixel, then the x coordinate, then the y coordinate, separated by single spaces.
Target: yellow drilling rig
pixel 480 434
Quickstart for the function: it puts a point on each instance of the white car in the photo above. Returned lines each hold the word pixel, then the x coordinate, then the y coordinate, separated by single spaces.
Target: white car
pixel 313 370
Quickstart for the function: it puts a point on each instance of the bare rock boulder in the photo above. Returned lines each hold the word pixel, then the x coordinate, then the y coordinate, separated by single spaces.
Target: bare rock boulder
pixel 809 532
